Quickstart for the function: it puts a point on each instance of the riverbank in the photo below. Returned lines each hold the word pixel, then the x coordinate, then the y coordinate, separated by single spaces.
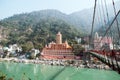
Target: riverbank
pixel 73 63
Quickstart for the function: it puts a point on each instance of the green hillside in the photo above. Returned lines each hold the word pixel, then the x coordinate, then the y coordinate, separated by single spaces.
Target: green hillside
pixel 37 28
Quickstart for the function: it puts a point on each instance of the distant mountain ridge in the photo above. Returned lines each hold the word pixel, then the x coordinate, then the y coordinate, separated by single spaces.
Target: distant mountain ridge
pixel 84 17
pixel 82 20
pixel 45 14
pixel 41 26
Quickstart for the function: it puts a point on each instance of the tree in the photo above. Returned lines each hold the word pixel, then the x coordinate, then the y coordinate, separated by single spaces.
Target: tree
pixel 77 49
pixel 27 46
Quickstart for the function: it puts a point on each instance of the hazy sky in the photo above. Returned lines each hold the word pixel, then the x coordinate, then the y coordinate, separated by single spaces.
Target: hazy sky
pixel 11 7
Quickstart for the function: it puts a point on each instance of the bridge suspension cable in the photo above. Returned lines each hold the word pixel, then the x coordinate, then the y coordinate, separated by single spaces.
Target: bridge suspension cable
pixel 116 19
pixel 94 12
pixel 110 25
pixel 109 56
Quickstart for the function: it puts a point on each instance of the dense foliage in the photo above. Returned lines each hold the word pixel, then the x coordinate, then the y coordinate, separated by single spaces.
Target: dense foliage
pixel 35 30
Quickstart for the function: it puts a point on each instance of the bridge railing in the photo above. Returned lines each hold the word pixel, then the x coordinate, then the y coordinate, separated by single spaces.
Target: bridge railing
pixel 112 58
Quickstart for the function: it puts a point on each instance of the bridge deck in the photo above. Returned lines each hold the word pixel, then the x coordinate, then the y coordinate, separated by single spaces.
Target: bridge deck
pixel 108 60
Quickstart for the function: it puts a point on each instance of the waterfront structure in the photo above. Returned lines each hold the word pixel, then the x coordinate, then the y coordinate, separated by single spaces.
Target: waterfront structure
pixel 102 42
pixel 57 50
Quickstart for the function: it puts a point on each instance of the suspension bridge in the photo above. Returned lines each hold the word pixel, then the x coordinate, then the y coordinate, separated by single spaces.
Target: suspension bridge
pixel 106 47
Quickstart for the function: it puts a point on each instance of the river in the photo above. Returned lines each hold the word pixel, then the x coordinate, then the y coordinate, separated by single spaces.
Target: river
pixel 22 71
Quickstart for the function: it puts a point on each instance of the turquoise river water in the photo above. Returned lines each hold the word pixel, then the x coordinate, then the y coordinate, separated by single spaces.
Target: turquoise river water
pixel 21 71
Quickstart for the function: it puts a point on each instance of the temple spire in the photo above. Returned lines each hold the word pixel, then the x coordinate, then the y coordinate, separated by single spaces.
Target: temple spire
pixel 59 38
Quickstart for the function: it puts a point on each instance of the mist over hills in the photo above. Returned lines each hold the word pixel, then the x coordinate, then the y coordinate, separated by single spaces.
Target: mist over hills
pixel 41 26
pixel 84 17
pixel 37 16
pixel 81 19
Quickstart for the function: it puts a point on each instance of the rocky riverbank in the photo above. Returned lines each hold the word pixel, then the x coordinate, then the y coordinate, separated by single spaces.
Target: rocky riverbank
pixel 74 63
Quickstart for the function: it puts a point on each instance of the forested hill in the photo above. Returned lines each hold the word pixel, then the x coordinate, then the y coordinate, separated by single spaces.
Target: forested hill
pixel 37 28
pixel 37 16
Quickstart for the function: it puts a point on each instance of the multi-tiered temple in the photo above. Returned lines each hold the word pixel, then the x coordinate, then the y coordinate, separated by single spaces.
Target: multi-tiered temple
pixel 102 42
pixel 57 50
